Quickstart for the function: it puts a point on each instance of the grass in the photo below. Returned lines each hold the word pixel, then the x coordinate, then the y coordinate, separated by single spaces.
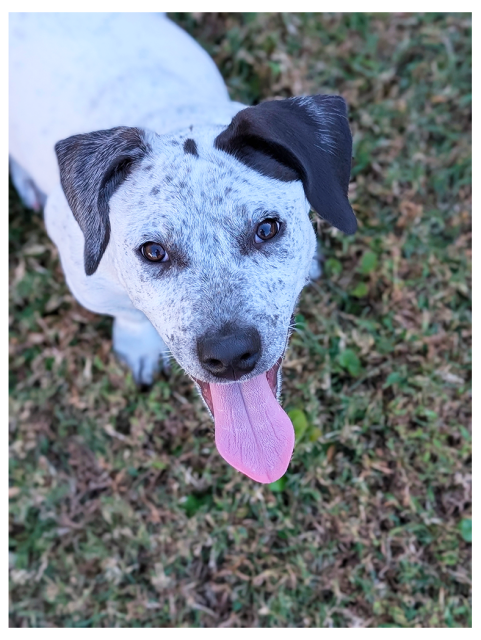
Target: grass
pixel 123 514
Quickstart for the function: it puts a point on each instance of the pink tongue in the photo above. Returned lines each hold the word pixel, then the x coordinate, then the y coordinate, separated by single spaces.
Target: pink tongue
pixel 252 432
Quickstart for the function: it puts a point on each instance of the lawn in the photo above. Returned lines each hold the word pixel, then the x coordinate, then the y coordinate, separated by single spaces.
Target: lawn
pixel 123 514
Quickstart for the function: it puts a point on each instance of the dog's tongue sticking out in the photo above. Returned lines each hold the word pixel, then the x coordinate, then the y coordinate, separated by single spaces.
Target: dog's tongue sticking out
pixel 252 432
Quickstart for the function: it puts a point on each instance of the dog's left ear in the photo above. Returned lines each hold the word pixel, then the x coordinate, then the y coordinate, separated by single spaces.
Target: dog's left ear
pixel 92 166
pixel 305 139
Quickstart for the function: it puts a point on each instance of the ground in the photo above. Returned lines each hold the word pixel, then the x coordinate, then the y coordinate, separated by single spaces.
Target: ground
pixel 123 514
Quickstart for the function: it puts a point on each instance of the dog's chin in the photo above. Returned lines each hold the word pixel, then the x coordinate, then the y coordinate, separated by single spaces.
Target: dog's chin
pixel 273 376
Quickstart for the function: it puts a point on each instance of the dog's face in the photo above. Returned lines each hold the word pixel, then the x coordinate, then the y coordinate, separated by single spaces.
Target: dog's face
pixel 207 247
pixel 210 236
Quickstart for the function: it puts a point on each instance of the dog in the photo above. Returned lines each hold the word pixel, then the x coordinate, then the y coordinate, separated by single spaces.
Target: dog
pixel 180 213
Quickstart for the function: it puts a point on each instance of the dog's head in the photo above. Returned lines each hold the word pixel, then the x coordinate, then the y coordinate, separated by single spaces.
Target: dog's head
pixel 210 235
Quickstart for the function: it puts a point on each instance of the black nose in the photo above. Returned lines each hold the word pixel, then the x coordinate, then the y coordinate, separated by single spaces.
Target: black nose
pixel 229 355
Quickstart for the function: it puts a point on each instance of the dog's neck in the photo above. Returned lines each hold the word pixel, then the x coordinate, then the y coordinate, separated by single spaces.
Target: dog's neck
pixel 179 117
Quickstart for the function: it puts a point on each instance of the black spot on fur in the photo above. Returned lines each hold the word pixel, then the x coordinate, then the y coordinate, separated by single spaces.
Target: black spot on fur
pixel 190 147
pixel 148 167
pixel 154 191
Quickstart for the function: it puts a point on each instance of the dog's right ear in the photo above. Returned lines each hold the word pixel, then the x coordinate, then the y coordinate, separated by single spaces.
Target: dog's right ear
pixel 92 166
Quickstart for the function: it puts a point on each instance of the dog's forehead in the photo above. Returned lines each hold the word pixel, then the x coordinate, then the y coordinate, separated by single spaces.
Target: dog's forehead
pixel 187 173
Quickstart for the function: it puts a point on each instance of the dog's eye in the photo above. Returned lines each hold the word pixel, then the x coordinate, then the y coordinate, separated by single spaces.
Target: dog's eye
pixel 266 230
pixel 154 252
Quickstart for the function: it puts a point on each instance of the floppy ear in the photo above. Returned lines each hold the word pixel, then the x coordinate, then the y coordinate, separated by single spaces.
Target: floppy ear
pixel 92 166
pixel 305 139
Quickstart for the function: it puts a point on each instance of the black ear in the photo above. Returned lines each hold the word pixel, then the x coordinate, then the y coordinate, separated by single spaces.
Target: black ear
pixel 305 139
pixel 92 166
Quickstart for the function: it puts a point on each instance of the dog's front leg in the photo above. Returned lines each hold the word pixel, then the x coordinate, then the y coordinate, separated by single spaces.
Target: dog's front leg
pixel 29 193
pixel 138 344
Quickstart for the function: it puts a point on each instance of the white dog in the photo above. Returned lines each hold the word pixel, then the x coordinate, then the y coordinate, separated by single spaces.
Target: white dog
pixel 182 214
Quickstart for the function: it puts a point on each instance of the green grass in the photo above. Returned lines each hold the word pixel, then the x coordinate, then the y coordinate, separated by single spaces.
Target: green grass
pixel 123 514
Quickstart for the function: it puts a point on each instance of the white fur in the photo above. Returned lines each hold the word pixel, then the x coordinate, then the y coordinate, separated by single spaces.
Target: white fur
pixel 76 73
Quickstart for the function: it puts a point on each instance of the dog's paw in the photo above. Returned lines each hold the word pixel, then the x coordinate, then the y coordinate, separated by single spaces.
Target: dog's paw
pixel 145 368
pixel 141 348
pixel 315 270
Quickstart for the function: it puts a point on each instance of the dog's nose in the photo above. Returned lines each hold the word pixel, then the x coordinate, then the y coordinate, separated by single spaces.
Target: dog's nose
pixel 230 355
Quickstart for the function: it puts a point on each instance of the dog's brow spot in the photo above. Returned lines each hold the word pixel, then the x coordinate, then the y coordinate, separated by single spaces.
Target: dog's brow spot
pixel 154 191
pixel 148 167
pixel 190 147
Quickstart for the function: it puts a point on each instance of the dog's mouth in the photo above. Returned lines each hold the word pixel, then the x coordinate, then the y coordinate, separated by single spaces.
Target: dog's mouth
pixel 272 376
pixel 252 431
